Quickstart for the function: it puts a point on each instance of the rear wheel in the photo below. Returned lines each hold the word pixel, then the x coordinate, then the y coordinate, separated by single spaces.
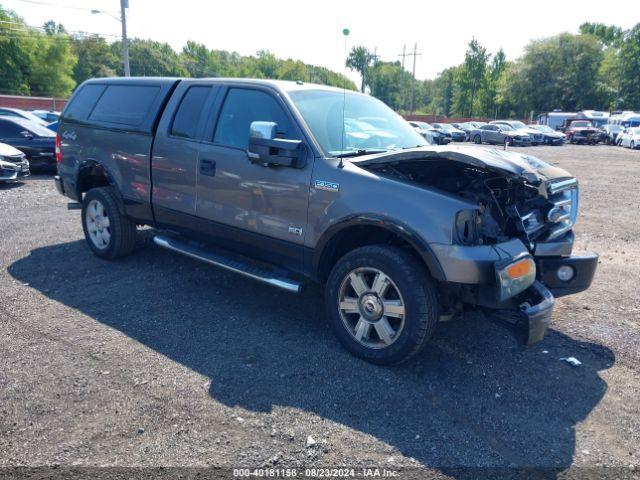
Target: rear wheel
pixel 477 139
pixel 633 145
pixel 109 233
pixel 381 304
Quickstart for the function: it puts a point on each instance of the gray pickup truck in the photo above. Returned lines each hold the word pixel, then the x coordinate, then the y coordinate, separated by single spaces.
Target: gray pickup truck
pixel 286 183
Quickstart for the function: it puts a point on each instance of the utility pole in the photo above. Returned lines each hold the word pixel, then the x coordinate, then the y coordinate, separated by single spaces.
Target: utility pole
pixel 124 4
pixel 403 55
pixel 413 75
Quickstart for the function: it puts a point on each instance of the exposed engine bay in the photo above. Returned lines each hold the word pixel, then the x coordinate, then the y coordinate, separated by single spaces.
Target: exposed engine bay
pixel 509 205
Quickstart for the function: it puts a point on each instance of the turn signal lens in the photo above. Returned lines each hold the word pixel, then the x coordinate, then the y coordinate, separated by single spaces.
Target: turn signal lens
pixel 520 269
pixel 58 149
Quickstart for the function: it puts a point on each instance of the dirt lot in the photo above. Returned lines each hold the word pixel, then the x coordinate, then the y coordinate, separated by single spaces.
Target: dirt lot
pixel 160 360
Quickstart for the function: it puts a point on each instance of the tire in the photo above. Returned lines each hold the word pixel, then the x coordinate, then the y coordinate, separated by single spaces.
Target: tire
pixel 409 288
pixel 477 140
pixel 632 145
pixel 109 233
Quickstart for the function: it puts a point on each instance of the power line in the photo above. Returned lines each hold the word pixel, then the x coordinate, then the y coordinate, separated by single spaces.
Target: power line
pixel 34 29
pixel 57 5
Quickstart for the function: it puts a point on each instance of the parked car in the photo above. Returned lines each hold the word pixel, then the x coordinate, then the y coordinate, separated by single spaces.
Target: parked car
pixel 456 135
pixel 13 163
pixel 500 135
pixel 581 131
pixel 536 136
pixel 630 138
pixel 53 126
pixel 435 136
pixel 549 135
pixel 261 174
pixel 35 141
pixel 47 115
pixel 611 132
pixel 16 112
pixel 466 127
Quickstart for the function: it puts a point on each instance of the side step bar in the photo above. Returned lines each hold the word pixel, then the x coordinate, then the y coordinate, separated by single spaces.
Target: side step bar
pixel 257 273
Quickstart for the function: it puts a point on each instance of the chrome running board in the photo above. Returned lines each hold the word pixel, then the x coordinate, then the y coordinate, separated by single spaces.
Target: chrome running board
pixel 244 268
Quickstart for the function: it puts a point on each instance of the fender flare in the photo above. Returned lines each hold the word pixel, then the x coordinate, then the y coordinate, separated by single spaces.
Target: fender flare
pixel 94 165
pixel 399 228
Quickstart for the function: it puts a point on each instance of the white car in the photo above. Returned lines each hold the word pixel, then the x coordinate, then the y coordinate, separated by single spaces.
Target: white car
pixel 13 163
pixel 630 138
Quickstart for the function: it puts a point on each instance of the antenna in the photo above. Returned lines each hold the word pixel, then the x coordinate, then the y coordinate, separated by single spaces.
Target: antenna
pixel 345 32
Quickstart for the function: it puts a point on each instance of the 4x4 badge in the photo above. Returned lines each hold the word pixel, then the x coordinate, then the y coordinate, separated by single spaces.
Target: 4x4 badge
pixel 330 186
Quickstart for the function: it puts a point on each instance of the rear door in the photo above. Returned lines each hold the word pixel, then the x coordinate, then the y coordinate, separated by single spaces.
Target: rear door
pixel 256 210
pixel 175 153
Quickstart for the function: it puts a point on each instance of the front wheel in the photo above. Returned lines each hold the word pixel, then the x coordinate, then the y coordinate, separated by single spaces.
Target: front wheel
pixel 109 233
pixel 381 304
pixel 477 140
pixel 633 145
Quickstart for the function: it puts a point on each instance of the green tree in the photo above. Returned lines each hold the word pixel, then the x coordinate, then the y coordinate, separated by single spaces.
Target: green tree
pixel 469 79
pixel 360 59
pixel 629 91
pixel 489 91
pixel 14 55
pixel 608 35
pixel 388 79
pixel 149 58
pixel 95 59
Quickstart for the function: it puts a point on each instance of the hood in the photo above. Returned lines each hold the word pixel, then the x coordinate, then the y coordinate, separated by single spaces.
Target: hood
pixel 533 169
pixel 8 150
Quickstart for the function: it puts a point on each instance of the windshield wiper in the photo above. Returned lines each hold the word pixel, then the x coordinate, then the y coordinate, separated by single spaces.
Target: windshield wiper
pixel 358 153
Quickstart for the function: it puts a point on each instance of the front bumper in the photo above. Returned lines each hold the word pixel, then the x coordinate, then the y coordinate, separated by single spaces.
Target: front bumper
pixel 528 313
pixel 13 171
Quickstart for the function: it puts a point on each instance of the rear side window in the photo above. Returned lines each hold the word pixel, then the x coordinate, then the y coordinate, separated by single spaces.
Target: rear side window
pixel 84 101
pixel 9 129
pixel 186 120
pixel 125 104
pixel 243 106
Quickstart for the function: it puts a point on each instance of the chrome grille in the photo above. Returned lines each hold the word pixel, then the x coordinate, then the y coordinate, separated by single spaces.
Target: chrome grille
pixel 562 213
pixel 13 158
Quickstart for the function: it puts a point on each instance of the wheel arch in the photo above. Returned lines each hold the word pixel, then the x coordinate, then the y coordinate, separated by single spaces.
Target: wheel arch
pixel 369 229
pixel 93 174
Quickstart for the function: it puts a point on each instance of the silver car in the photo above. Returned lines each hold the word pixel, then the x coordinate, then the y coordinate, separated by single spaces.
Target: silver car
pixel 499 135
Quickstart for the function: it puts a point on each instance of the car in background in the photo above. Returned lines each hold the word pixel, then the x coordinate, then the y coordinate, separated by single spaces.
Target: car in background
pixel 549 135
pixel 536 136
pixel 13 163
pixel 610 133
pixel 435 136
pixel 16 112
pixel 47 115
pixel 53 126
pixel 467 127
pixel 630 138
pixel 35 141
pixel 582 131
pixel 500 135
pixel 456 134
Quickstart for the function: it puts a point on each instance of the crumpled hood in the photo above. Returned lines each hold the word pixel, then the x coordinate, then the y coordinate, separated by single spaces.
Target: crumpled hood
pixel 506 161
pixel 8 150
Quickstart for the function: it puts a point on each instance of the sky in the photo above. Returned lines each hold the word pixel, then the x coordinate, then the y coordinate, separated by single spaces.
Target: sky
pixel 311 31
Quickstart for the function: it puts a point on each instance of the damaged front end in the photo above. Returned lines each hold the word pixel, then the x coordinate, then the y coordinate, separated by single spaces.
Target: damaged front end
pixel 512 248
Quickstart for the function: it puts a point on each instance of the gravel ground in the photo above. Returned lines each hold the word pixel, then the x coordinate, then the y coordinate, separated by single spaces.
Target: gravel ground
pixel 158 360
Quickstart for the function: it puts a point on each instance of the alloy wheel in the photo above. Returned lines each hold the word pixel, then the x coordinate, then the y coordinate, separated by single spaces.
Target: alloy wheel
pixel 371 307
pixel 98 224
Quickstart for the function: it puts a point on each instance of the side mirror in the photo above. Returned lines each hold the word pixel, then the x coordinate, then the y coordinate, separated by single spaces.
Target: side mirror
pixel 266 149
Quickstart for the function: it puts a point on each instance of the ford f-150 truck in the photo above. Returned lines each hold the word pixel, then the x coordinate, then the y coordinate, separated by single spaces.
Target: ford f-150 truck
pixel 287 182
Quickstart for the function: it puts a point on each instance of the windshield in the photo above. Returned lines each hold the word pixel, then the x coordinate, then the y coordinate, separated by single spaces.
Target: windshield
pixel 506 128
pixel 368 123
pixel 543 128
pixel 423 125
pixel 581 124
pixel 518 125
pixel 444 126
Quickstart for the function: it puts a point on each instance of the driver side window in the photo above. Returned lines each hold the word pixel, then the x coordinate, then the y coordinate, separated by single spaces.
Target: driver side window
pixel 243 106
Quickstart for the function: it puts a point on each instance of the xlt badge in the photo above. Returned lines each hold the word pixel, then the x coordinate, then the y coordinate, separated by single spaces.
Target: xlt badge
pixel 330 186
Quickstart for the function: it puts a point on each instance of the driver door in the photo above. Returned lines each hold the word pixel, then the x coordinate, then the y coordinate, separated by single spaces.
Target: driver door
pixel 256 210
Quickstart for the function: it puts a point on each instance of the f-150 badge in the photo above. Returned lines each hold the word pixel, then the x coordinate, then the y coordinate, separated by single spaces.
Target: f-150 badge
pixel 324 185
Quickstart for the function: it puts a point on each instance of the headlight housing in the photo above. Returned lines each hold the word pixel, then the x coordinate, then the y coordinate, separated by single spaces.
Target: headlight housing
pixel 514 276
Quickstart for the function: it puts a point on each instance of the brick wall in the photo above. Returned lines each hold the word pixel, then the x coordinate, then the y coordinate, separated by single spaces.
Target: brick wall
pixel 32 103
pixel 443 119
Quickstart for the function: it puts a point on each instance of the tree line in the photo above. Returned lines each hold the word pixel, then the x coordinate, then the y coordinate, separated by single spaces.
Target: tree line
pixel 597 68
pixel 50 61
